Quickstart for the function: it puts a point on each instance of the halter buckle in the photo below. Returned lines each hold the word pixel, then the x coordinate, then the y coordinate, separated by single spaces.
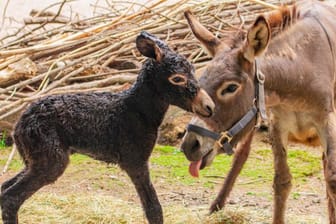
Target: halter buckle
pixel 225 137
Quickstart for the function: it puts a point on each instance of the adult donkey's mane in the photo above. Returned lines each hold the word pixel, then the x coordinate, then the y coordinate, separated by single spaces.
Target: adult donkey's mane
pixel 283 18
pixel 279 21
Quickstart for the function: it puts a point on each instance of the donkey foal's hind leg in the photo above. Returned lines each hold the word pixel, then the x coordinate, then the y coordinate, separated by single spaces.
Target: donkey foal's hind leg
pixel 5 185
pixel 45 170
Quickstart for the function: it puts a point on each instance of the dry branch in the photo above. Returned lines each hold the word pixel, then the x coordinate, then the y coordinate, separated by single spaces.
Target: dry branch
pixel 68 55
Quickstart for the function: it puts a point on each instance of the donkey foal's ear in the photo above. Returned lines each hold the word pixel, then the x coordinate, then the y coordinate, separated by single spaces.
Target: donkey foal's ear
pixel 257 39
pixel 148 46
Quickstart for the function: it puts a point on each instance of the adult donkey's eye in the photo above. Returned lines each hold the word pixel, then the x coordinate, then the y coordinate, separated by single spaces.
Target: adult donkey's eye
pixel 231 88
pixel 227 90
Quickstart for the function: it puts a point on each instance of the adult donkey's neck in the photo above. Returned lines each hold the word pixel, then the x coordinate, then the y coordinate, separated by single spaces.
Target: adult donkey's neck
pixel 294 64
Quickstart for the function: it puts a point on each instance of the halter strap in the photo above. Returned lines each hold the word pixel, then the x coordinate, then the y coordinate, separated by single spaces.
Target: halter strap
pixel 223 139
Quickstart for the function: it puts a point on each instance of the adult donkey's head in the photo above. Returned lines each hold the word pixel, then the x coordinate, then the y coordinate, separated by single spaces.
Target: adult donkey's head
pixel 230 80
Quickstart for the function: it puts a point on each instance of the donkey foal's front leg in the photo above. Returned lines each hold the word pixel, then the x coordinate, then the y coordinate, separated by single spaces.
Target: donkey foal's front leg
pixel 150 203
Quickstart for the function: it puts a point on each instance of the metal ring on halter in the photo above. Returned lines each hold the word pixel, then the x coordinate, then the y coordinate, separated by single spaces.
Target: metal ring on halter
pixel 224 136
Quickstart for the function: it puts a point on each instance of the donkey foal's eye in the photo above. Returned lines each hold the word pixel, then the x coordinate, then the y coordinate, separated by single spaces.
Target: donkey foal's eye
pixel 178 79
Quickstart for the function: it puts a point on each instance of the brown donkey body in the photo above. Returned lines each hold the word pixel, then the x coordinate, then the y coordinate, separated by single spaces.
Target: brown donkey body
pixel 295 48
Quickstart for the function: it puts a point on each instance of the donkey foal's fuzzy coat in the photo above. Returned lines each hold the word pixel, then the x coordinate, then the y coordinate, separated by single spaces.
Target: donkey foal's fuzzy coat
pixel 115 128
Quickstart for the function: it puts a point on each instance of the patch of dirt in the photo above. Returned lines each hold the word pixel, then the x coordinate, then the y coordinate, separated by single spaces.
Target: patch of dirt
pixel 173 127
pixel 306 204
pixel 307 201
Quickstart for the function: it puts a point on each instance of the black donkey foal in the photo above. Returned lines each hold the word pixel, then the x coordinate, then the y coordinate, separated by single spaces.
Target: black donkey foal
pixel 116 128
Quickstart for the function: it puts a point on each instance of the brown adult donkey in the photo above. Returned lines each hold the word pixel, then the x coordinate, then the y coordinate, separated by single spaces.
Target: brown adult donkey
pixel 291 54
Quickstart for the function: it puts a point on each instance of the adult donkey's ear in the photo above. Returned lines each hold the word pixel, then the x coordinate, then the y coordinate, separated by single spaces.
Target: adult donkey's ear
pixel 209 41
pixel 150 46
pixel 257 39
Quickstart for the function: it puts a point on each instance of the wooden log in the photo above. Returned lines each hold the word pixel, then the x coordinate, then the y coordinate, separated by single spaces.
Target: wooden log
pixel 17 71
pixel 92 54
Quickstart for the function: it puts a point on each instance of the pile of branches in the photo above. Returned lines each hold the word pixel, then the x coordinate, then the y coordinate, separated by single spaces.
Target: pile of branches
pixel 53 54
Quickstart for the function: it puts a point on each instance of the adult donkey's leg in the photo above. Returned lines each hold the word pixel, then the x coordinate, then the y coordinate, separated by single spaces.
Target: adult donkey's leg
pixel 282 178
pixel 150 203
pixel 329 161
pixel 239 160
pixel 331 207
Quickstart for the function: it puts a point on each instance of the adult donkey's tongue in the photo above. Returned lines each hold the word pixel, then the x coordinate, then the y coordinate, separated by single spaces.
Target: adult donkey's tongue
pixel 194 168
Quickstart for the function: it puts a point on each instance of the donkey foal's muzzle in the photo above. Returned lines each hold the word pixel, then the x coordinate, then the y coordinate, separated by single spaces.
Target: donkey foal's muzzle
pixel 203 104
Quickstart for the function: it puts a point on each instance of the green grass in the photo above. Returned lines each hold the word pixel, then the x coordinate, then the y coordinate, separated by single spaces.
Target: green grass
pixel 169 163
pixel 258 168
pixel 15 165
pixel 90 190
pixel 169 159
pixel 3 140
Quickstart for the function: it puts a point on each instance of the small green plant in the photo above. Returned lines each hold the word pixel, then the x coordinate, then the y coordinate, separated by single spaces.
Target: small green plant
pixel 296 195
pixel 3 140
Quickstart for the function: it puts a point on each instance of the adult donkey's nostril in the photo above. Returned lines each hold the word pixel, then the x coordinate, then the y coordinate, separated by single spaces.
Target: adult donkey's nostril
pixel 195 146
pixel 190 144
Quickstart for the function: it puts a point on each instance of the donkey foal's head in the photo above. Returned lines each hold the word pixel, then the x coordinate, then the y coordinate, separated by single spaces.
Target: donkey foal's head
pixel 173 76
